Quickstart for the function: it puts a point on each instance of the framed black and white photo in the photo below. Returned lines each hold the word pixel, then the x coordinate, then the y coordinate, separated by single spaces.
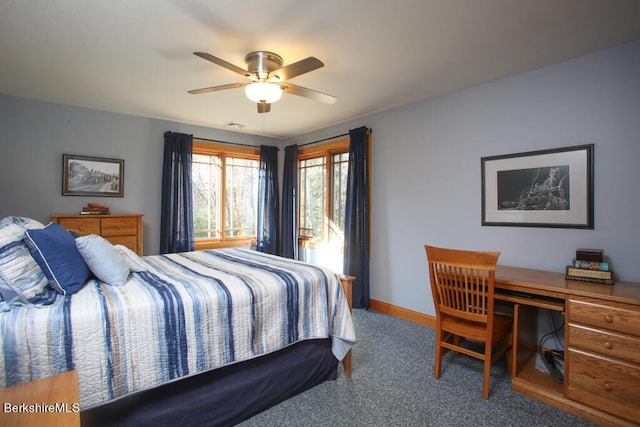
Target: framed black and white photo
pixel 92 176
pixel 547 188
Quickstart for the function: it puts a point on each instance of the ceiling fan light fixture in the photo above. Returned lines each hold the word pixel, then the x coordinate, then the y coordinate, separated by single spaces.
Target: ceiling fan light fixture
pixel 262 91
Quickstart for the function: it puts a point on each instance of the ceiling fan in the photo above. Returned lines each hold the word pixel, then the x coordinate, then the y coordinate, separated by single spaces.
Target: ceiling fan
pixel 268 79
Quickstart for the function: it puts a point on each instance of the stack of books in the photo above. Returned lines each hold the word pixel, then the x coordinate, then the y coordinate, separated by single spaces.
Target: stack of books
pixel 95 209
pixel 589 266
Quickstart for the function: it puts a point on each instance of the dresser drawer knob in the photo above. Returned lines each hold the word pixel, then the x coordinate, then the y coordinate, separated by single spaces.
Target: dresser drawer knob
pixel 608 387
pixel 608 345
pixel 608 318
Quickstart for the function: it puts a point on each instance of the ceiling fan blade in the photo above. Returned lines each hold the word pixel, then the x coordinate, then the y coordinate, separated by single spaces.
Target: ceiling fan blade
pixel 263 107
pixel 297 68
pixel 308 93
pixel 217 88
pixel 223 63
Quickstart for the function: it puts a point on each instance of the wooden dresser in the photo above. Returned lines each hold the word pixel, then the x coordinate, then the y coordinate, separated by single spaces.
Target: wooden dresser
pixel 602 343
pixel 119 229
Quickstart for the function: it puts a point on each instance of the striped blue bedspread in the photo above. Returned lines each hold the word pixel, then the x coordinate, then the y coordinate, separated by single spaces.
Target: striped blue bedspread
pixel 188 313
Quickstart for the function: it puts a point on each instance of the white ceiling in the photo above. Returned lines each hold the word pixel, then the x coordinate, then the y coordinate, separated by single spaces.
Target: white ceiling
pixel 136 56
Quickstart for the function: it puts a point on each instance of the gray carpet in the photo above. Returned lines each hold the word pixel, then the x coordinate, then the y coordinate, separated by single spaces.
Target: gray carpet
pixel 393 385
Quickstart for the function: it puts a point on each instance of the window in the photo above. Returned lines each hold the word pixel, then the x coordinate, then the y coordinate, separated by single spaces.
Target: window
pixel 313 197
pixel 225 195
pixel 322 183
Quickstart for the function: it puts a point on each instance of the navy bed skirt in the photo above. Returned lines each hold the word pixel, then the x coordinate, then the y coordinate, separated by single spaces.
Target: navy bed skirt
pixel 224 396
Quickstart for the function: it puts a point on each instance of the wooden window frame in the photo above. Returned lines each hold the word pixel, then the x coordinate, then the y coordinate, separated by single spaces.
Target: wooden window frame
pixel 223 151
pixel 327 150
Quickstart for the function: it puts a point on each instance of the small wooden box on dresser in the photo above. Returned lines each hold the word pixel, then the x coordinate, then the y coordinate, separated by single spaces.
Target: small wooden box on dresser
pixel 119 229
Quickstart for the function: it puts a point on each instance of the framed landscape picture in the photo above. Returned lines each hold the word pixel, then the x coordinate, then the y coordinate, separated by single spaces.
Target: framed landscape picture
pixel 547 188
pixel 92 176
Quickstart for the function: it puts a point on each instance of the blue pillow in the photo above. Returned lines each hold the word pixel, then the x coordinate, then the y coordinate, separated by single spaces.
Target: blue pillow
pixel 54 249
pixel 103 259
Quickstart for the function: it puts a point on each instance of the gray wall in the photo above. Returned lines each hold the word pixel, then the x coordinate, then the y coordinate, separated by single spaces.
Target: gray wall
pixel 34 135
pixel 426 163
pixel 426 170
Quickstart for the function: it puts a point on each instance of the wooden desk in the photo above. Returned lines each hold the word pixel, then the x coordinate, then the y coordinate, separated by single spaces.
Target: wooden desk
pixel 602 342
pixel 51 402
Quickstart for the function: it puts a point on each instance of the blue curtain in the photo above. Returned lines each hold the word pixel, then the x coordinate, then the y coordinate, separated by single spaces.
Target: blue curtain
pixel 356 236
pixel 176 215
pixel 268 229
pixel 289 242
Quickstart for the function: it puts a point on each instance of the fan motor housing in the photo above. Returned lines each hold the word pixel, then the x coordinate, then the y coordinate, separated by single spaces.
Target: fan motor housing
pixel 263 62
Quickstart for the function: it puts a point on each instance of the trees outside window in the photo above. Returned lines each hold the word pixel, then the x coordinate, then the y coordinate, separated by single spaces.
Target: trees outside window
pixel 225 195
pixel 322 186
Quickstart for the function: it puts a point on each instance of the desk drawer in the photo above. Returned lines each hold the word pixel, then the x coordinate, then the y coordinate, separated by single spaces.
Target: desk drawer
pixel 119 226
pixel 82 226
pixel 609 344
pixel 614 316
pixel 609 385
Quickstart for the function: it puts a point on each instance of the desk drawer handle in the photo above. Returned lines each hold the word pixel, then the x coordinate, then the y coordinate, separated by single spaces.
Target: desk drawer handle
pixel 608 318
pixel 608 387
pixel 608 345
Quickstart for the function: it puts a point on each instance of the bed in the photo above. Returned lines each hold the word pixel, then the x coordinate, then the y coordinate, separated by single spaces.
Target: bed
pixel 204 328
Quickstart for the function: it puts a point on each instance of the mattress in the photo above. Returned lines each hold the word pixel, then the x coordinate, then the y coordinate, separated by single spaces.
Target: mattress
pixel 186 313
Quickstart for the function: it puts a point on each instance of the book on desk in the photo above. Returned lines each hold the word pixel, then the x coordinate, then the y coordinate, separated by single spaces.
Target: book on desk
pixel 589 266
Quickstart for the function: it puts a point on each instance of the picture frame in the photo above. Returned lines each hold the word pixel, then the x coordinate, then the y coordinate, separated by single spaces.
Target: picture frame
pixel 92 176
pixel 546 188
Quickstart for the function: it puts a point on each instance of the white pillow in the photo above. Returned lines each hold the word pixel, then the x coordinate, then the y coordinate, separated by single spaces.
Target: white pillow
pixel 21 221
pixel 23 281
pixel 103 259
pixel 135 262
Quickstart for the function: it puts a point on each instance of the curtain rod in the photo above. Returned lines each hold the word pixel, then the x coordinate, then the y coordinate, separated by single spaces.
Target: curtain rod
pixel 331 137
pixel 227 142
pixel 369 130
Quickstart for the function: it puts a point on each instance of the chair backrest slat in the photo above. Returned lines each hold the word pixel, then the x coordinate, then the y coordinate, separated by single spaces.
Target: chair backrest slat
pixel 463 281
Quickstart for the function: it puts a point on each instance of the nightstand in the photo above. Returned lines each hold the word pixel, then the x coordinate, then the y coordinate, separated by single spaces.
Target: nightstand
pixel 51 402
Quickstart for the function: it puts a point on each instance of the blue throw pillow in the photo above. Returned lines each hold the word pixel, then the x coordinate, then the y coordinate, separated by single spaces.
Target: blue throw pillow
pixel 103 259
pixel 54 249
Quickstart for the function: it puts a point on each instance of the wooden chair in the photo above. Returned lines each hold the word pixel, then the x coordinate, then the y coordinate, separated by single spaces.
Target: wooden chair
pixel 462 283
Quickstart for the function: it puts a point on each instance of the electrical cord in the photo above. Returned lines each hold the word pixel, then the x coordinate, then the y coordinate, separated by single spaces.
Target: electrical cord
pixel 552 334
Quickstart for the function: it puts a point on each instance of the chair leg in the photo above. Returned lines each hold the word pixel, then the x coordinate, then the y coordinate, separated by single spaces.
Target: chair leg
pixel 438 361
pixel 487 370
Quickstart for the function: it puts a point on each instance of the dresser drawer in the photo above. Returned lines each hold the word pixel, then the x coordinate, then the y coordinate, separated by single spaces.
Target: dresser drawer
pixel 119 226
pixel 119 229
pixel 129 241
pixel 606 343
pixel 82 226
pixel 614 316
pixel 607 384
